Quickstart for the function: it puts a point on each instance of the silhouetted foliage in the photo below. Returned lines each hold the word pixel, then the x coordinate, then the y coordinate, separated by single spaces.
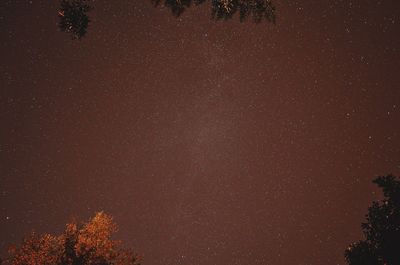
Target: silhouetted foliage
pixel 87 243
pixel 73 17
pixel 381 229
pixel 225 9
pixel 178 6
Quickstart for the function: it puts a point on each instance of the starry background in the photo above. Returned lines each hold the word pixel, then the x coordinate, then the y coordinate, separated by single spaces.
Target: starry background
pixel 208 142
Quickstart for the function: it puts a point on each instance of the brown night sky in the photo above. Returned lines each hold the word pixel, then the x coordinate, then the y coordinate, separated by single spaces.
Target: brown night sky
pixel 209 142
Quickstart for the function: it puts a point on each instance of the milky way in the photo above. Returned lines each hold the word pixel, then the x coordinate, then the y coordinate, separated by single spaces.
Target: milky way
pixel 209 142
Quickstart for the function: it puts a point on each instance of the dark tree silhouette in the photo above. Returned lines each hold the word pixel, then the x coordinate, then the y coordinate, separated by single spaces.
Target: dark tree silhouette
pixel 73 17
pixel 225 9
pixel 87 243
pixel 178 6
pixel 381 229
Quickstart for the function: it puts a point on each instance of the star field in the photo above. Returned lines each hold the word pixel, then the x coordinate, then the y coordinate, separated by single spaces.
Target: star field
pixel 209 142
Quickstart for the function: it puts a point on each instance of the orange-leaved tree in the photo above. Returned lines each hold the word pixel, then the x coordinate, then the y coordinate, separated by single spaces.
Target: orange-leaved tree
pixel 88 243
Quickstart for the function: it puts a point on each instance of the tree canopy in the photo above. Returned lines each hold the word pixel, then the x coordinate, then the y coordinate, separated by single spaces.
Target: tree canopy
pixel 225 9
pixel 73 17
pixel 75 20
pixel 381 230
pixel 86 243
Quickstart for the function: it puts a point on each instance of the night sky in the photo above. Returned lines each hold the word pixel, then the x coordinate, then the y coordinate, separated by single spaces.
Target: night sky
pixel 209 142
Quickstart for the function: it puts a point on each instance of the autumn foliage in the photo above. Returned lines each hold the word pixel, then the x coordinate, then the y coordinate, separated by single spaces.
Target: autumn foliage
pixel 87 243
